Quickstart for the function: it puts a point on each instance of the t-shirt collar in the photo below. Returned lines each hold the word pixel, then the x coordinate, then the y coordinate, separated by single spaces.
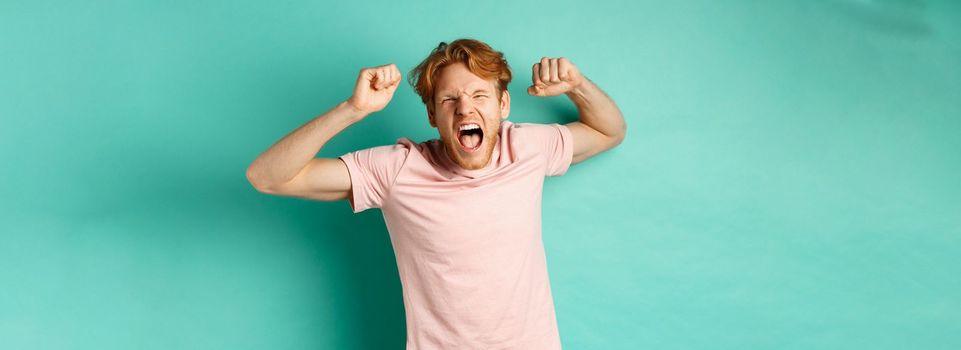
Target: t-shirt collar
pixel 491 165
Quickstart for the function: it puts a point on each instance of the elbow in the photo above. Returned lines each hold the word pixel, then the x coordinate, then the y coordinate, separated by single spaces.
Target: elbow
pixel 618 138
pixel 254 181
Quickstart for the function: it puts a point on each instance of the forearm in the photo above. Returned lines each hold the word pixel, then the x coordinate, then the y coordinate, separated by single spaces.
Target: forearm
pixel 287 157
pixel 597 110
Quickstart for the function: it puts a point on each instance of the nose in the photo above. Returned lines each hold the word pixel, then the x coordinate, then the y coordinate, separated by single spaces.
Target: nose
pixel 464 105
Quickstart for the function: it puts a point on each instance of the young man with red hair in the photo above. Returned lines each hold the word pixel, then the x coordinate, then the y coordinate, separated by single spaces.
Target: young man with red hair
pixel 463 211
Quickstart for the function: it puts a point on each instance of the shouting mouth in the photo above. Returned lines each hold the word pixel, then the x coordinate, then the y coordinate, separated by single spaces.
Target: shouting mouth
pixel 470 136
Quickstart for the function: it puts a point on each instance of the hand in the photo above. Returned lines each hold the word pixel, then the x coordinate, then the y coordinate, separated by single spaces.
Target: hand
pixel 554 76
pixel 375 87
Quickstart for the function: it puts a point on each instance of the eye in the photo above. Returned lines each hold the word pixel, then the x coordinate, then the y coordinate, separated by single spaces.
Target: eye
pixel 478 96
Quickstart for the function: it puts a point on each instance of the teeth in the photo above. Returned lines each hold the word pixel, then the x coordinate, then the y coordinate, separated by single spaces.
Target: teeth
pixel 469 127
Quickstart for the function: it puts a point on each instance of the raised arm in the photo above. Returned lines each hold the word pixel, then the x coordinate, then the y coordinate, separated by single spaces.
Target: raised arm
pixel 601 125
pixel 289 167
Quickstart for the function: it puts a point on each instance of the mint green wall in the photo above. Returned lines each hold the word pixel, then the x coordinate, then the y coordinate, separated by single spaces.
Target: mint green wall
pixel 790 178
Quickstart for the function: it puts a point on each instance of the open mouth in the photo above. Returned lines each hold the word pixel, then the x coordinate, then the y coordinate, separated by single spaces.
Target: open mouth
pixel 470 136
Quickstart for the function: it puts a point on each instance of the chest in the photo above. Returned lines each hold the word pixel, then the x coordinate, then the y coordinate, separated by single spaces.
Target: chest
pixel 465 214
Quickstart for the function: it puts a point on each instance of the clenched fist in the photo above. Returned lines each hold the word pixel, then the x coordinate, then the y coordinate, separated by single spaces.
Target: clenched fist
pixel 375 87
pixel 554 76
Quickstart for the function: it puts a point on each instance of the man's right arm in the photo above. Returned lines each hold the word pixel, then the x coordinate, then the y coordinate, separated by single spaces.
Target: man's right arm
pixel 289 167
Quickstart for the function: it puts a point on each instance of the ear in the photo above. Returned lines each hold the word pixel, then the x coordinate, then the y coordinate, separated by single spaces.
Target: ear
pixel 505 104
pixel 430 119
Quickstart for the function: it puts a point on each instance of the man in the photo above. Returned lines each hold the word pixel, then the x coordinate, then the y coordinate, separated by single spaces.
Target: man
pixel 463 211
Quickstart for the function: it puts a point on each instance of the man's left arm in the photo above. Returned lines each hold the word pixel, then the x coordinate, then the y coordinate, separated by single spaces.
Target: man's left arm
pixel 601 125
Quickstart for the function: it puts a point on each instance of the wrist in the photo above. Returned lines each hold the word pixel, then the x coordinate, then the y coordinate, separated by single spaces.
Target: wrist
pixel 579 90
pixel 352 111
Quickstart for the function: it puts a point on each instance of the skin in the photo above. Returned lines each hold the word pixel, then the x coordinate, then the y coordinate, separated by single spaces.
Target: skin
pixel 460 96
pixel 290 168
pixel 601 125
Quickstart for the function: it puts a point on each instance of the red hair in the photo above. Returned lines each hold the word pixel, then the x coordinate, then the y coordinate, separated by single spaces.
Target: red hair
pixel 480 59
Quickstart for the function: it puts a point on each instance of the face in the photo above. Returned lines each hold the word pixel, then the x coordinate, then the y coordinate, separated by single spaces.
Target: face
pixel 463 101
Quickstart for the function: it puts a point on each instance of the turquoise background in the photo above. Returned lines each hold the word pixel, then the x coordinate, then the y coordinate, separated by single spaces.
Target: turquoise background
pixel 790 177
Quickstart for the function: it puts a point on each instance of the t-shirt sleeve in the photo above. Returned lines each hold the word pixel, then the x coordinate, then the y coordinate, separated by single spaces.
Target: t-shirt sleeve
pixel 553 142
pixel 372 173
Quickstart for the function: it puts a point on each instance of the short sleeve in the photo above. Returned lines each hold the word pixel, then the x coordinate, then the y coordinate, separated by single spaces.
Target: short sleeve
pixel 553 142
pixel 372 173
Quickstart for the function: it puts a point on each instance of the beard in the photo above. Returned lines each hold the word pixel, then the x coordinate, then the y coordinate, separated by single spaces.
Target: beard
pixel 478 159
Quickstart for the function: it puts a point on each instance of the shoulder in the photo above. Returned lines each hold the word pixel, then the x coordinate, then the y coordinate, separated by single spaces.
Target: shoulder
pixel 536 129
pixel 401 149
pixel 537 135
pixel 552 144
pixel 388 158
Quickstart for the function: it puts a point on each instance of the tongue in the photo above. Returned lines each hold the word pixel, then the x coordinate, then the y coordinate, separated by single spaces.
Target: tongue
pixel 470 141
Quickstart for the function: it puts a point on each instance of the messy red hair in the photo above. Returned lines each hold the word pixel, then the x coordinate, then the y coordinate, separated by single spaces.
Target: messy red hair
pixel 479 58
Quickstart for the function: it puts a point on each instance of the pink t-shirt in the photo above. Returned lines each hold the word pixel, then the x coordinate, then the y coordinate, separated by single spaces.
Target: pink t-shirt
pixel 468 242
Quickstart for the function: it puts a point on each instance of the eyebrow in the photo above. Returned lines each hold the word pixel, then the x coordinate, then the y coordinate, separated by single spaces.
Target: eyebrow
pixel 483 89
